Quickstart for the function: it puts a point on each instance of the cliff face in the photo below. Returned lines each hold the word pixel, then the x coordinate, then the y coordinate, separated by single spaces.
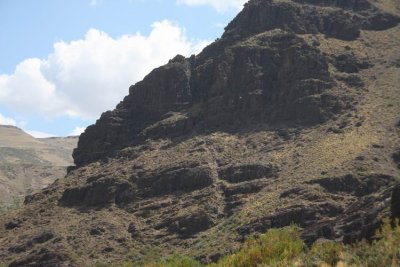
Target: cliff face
pixel 261 70
pixel 291 117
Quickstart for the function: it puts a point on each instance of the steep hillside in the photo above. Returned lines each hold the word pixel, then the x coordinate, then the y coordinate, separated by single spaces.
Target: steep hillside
pixel 28 164
pixel 292 116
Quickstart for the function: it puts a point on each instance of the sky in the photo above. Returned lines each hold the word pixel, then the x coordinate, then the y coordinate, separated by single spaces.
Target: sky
pixel 64 62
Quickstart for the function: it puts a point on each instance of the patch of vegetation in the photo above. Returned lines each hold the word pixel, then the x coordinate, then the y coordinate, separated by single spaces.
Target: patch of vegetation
pixel 20 156
pixel 283 247
pixel 383 252
pixel 177 261
pixel 16 203
pixel 278 247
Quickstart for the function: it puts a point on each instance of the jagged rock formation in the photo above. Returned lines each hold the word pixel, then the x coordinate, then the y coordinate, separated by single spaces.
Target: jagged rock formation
pixel 291 117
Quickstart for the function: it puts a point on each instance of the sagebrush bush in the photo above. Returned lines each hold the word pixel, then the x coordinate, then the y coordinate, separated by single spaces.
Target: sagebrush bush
pixel 284 247
pixel 275 248
pixel 328 252
pixel 177 261
pixel 385 251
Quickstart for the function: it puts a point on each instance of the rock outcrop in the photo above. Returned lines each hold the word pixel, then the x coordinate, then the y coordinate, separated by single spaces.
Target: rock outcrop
pixel 255 72
pixel 261 79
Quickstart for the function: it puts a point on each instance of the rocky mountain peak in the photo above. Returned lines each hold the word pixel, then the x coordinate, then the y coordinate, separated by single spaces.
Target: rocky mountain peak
pixel 336 19
pixel 255 73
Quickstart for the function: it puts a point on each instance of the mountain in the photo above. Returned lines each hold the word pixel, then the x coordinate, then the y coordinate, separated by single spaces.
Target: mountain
pixel 28 164
pixel 292 116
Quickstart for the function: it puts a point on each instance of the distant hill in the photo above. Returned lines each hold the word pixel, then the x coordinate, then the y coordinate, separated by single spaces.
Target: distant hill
pixel 28 164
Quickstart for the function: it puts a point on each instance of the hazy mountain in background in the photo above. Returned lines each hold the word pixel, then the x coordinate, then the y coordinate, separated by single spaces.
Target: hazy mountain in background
pixel 28 164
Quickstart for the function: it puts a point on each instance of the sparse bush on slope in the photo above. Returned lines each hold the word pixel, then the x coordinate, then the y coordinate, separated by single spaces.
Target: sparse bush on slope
pixel 283 247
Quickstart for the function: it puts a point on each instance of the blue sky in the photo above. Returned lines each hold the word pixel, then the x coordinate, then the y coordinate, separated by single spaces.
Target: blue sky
pixel 64 62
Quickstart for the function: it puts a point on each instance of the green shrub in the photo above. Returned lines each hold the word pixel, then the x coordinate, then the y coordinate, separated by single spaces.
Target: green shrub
pixel 177 261
pixel 283 247
pixel 383 252
pixel 328 252
pixel 278 247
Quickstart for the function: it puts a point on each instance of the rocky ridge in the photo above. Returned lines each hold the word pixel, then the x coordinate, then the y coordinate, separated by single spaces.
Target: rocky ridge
pixel 290 117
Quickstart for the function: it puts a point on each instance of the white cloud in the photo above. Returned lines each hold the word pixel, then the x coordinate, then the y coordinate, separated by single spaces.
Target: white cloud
pixel 86 77
pixel 38 134
pixel 95 2
pixel 219 5
pixel 77 131
pixel 7 121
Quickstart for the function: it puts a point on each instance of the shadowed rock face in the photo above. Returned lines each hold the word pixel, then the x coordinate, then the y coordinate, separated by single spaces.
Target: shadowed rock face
pixel 259 71
pixel 357 186
pixel 344 21
pixel 354 5
pixel 395 202
pixel 44 258
pixel 242 173
pixel 98 193
pixel 396 158
pixel 261 79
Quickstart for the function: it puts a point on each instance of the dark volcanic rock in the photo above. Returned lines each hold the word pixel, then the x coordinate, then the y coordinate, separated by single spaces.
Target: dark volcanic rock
pixel 96 231
pixel 363 218
pixel 396 158
pixel 259 16
pixel 189 224
pixel 358 186
pixel 244 188
pixel 132 229
pixel 318 16
pixel 43 258
pixel 255 73
pixel 98 193
pixel 261 78
pixel 395 202
pixel 367 14
pixel 301 215
pixel 19 248
pixel 241 173
pixel 13 224
pixel 349 63
pixel 352 80
pixel 164 89
pixel 354 5
pixel 174 180
pixel 43 237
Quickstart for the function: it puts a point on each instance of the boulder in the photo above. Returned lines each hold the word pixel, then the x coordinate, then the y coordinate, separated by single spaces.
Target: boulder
pixel 396 158
pixel 190 224
pixel 15 223
pixel 43 258
pixel 358 186
pixel 395 202
pixel 172 180
pixel 248 172
pixel 98 193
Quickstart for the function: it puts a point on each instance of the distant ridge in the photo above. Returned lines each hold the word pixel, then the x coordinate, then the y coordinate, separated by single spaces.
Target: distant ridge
pixel 28 164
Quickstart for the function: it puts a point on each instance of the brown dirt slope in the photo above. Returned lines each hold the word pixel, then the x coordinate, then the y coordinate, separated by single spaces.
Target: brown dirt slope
pixel 28 164
pixel 291 117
